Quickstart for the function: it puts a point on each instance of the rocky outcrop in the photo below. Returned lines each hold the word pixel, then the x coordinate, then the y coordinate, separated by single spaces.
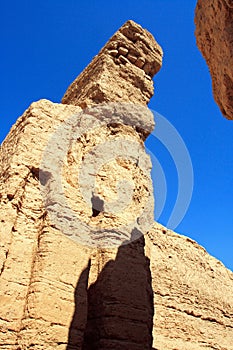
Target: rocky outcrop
pixel 122 71
pixel 34 255
pixel 76 292
pixel 96 303
pixel 214 34
pixel 193 300
pixel 42 270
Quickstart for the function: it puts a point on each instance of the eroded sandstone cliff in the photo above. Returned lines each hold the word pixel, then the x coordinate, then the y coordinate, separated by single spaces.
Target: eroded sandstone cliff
pixel 193 301
pixel 57 293
pixel 214 34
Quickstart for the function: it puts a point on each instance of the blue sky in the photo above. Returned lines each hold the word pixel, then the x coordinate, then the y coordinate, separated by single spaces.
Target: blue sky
pixel 45 45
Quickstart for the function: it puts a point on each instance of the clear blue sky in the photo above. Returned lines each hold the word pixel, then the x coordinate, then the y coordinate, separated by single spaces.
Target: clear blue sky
pixel 46 44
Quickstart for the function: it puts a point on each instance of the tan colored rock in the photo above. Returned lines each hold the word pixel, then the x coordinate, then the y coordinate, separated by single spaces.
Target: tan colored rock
pixel 32 272
pixel 36 283
pixel 43 313
pixel 193 301
pixel 214 34
pixel 114 74
pixel 64 293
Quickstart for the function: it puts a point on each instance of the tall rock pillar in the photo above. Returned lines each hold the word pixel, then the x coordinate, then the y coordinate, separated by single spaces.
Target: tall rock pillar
pixel 73 273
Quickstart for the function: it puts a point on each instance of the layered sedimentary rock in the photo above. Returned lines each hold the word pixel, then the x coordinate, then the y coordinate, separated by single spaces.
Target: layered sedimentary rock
pixel 59 292
pixel 107 305
pixel 33 256
pixel 45 299
pixel 193 301
pixel 214 34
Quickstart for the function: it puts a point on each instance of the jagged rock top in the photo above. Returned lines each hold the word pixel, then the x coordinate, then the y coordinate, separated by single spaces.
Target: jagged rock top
pixel 132 43
pixel 122 71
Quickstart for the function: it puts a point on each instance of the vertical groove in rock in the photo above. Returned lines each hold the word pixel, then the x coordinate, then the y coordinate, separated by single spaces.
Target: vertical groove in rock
pixel 35 252
pixel 4 262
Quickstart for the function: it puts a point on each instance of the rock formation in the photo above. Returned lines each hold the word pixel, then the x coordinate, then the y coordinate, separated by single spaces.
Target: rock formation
pixel 57 293
pixel 193 301
pixel 122 71
pixel 214 34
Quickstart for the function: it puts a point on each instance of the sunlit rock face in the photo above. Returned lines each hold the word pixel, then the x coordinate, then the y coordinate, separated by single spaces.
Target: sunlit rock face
pixel 95 282
pixel 76 199
pixel 122 71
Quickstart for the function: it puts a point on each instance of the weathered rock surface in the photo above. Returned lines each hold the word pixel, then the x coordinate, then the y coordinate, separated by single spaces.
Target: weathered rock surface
pixel 37 303
pixel 33 260
pixel 214 34
pixel 57 293
pixel 122 71
pixel 52 288
pixel 193 301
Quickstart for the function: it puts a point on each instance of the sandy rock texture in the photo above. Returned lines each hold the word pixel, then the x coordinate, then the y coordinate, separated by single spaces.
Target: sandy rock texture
pixel 122 71
pixel 193 301
pixel 214 35
pixel 58 290
pixel 33 259
pixel 54 292
pixel 58 294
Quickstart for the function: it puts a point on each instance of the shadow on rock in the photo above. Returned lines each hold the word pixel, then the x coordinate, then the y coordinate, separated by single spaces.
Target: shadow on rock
pixel 116 312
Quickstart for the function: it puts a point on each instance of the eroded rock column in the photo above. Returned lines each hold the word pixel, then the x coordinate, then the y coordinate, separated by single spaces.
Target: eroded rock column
pixel 122 71
pixel 59 286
